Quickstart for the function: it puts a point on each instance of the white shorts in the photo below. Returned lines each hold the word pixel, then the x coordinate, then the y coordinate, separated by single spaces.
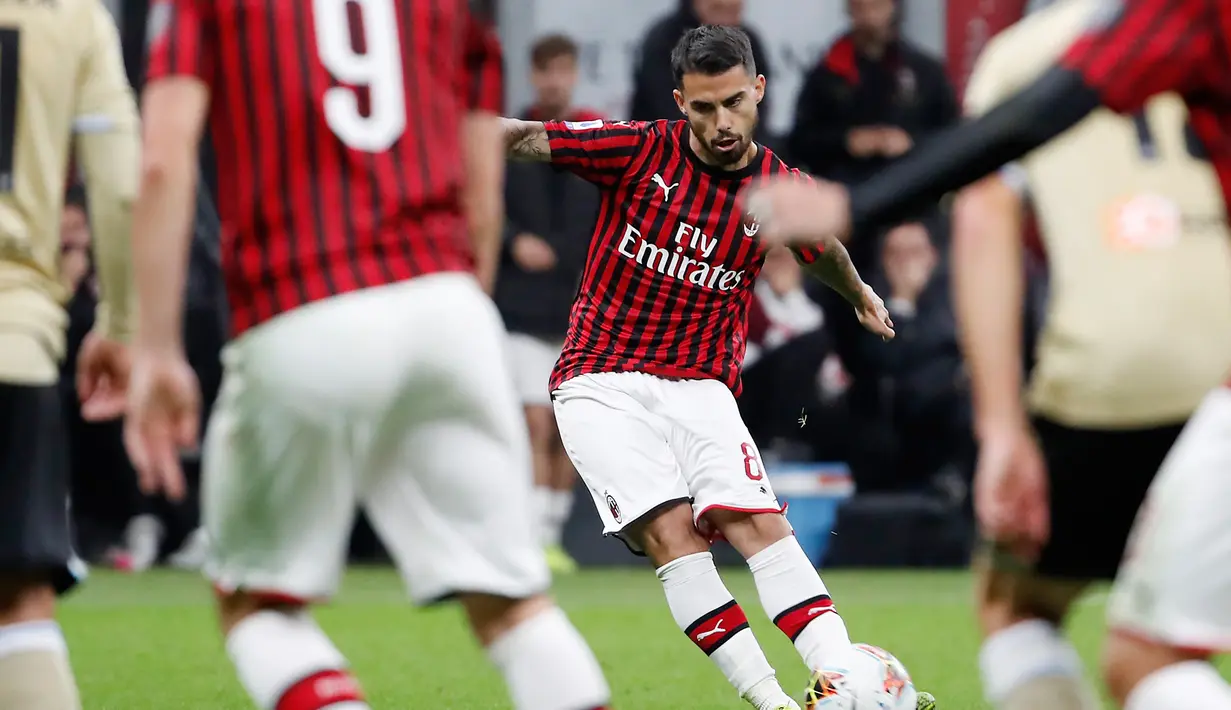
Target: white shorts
pixel 531 360
pixel 640 441
pixel 1174 585
pixel 393 399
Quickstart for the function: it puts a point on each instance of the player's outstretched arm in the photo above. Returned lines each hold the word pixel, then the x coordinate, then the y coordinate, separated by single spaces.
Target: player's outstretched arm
pixel 834 268
pixel 525 140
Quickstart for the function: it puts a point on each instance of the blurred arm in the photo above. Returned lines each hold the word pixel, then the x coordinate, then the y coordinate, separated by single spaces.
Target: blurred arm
pixel 108 146
pixel 483 195
pixel 173 113
pixel 989 288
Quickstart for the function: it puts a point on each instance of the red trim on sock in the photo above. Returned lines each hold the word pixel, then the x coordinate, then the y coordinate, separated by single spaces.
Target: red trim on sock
pixel 320 690
pixel 793 621
pixel 269 596
pixel 717 627
pixel 1144 638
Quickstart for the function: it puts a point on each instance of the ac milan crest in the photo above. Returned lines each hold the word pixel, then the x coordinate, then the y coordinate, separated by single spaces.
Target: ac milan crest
pixel 613 507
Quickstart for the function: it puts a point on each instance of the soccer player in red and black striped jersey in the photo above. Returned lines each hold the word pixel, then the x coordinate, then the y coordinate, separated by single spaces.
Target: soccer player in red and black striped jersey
pixel 644 391
pixel 359 167
pixel 1169 609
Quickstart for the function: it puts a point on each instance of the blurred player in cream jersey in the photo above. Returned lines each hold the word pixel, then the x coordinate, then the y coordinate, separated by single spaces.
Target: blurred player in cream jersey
pixel 62 85
pixel 1138 330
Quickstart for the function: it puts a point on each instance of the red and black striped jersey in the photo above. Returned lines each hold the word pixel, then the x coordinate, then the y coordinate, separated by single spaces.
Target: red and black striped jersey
pixel 672 261
pixel 1140 48
pixel 337 131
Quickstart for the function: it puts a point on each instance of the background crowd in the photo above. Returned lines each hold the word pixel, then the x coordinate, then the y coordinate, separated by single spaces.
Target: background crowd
pixel 898 414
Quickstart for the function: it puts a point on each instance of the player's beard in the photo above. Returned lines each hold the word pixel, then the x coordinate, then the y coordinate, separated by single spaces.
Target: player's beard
pixel 724 157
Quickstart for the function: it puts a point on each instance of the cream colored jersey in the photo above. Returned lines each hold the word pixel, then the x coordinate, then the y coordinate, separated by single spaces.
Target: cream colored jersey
pixel 62 82
pixel 1138 327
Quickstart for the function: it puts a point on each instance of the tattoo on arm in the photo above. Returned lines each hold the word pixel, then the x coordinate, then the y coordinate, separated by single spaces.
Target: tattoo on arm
pixel 835 269
pixel 525 140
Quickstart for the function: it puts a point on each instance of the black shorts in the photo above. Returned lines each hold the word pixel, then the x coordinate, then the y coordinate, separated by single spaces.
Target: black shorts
pixel 1098 480
pixel 34 493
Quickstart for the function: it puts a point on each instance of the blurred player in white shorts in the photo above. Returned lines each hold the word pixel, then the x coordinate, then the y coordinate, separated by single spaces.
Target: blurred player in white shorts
pixel 366 368
pixel 406 411
pixel 1172 598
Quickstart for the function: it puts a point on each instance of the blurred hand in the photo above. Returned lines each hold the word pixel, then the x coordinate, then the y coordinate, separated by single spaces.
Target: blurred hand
pixel 164 409
pixel 865 142
pixel 1011 490
pixel 791 211
pixel 873 315
pixel 532 252
pixel 103 368
pixel 894 141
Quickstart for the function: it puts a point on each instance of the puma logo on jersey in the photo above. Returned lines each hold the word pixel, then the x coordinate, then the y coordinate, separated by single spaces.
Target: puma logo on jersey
pixel 658 180
pixel 716 630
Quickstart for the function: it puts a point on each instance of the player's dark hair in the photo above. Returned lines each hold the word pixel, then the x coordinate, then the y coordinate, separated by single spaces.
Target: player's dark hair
pixel 712 50
pixel 552 47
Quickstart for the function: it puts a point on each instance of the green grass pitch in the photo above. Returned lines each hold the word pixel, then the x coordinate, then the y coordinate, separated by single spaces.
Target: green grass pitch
pixel 149 641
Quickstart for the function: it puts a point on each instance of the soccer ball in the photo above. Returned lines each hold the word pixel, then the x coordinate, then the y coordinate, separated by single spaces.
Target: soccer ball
pixel 861 677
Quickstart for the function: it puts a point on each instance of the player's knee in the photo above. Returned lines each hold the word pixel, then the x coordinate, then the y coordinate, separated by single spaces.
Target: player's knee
pixel 669 535
pixel 234 607
pixel 749 533
pixel 1127 660
pixel 26 596
pixel 492 616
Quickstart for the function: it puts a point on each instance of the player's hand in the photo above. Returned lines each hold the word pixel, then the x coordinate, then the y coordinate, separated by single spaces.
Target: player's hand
pixel 164 409
pixel 791 211
pixel 533 253
pixel 873 315
pixel 103 368
pixel 1011 490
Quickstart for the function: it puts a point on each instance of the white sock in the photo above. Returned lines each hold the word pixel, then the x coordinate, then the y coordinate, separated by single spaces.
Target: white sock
pixel 34 668
pixel 543 497
pixel 796 599
pixel 548 666
pixel 709 616
pixel 286 662
pixel 1024 652
pixel 1192 685
pixel 559 507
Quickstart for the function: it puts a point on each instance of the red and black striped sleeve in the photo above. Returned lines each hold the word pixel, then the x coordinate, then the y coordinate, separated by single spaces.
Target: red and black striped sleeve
pixel 184 41
pixel 482 82
pixel 598 151
pixel 1141 48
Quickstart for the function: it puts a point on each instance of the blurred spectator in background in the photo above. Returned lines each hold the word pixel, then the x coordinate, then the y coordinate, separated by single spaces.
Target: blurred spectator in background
pixel 653 82
pixel 913 411
pixel 870 99
pixel 550 217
